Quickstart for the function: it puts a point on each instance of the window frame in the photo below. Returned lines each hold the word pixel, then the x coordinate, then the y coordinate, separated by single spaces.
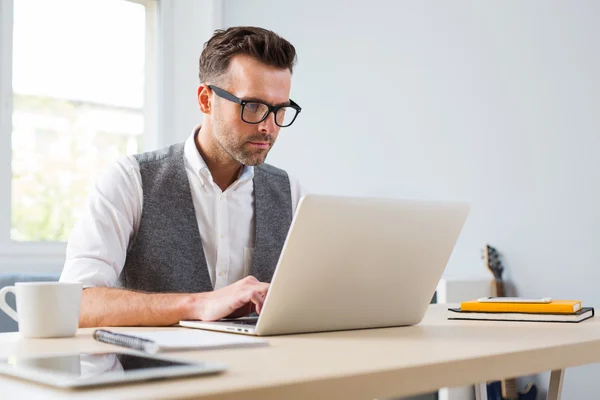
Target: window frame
pixel 49 256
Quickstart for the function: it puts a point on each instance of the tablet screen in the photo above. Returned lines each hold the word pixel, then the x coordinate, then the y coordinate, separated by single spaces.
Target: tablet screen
pixel 90 364
pixel 86 368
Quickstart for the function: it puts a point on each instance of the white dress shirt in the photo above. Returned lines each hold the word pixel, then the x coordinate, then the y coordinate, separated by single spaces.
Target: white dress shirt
pixel 99 242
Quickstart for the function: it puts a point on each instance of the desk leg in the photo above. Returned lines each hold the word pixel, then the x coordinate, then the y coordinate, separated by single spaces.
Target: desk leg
pixel 555 387
pixel 481 391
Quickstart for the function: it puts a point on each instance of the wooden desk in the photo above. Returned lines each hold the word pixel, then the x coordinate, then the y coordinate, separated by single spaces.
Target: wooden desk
pixel 366 364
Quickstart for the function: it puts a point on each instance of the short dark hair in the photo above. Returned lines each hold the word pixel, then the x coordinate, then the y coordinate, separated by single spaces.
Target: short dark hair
pixel 264 45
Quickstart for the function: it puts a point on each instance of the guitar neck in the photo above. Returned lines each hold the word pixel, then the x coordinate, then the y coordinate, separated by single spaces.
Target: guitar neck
pixel 509 386
pixel 490 257
pixel 498 288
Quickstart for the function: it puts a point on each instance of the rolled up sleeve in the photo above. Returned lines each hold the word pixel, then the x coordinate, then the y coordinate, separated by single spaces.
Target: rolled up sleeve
pixel 98 244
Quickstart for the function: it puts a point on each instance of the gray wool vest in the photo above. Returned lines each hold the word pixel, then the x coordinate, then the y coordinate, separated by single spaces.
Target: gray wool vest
pixel 167 255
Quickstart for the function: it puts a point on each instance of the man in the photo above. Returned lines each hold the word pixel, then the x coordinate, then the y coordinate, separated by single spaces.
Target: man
pixel 194 231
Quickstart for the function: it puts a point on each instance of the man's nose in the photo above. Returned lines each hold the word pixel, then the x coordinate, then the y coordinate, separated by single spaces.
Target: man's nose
pixel 268 125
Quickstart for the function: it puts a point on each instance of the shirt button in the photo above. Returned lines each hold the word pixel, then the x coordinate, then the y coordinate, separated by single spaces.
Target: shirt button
pixel 222 274
pixel 223 196
pixel 223 236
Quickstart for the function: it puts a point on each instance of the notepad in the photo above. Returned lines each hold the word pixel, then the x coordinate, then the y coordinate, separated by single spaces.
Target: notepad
pixel 176 340
pixel 554 307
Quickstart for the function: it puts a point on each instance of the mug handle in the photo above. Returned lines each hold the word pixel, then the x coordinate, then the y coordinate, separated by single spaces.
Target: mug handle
pixel 4 305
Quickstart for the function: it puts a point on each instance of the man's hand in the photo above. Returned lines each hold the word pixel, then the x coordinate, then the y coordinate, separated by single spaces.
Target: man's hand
pixel 236 300
pixel 102 306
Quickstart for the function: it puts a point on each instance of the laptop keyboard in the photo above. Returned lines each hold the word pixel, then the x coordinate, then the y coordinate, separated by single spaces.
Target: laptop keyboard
pixel 246 321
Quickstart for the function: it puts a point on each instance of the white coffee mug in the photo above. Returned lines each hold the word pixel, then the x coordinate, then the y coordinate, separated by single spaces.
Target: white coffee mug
pixel 44 309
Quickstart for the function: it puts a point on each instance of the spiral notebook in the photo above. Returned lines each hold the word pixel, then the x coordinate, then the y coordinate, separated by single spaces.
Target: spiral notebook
pixel 175 340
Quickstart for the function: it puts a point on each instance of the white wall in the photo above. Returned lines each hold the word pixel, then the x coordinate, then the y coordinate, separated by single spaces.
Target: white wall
pixel 184 26
pixel 496 103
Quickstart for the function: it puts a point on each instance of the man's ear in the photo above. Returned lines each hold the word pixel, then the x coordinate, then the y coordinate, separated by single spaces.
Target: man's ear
pixel 204 99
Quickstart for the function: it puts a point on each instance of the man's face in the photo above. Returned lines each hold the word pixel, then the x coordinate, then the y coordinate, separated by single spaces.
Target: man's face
pixel 249 79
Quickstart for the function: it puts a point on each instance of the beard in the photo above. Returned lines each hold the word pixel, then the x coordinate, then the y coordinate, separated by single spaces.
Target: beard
pixel 237 145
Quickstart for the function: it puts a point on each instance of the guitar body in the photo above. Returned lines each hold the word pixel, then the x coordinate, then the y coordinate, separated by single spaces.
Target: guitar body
pixel 507 388
pixel 494 392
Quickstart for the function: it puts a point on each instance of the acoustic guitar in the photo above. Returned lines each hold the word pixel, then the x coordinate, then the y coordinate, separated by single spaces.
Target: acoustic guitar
pixel 505 389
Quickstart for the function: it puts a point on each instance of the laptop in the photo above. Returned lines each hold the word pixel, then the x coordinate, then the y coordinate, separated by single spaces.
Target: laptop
pixel 354 263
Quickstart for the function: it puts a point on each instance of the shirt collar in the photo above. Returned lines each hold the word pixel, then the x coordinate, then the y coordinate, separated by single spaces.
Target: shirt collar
pixel 198 165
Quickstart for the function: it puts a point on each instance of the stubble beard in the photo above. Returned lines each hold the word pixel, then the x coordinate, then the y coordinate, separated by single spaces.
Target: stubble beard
pixel 238 148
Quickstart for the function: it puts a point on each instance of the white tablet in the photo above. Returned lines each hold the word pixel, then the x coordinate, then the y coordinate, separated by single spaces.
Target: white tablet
pixel 91 369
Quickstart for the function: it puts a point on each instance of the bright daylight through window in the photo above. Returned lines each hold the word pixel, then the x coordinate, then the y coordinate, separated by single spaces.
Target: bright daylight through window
pixel 78 99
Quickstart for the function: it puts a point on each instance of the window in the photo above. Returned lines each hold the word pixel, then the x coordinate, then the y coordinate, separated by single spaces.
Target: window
pixel 80 85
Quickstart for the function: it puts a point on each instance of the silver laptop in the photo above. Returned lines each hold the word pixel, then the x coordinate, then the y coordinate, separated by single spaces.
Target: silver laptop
pixel 355 263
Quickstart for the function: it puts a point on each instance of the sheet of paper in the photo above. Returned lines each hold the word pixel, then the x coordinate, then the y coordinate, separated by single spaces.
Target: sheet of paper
pixel 195 338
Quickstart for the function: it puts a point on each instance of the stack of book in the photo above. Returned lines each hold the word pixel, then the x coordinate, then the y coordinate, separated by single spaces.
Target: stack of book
pixel 554 311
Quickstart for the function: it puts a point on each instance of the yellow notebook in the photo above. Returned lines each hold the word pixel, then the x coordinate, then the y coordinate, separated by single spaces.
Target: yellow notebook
pixel 554 307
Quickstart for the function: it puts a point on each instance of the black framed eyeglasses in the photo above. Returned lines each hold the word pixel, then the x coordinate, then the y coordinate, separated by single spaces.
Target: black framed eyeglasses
pixel 255 112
